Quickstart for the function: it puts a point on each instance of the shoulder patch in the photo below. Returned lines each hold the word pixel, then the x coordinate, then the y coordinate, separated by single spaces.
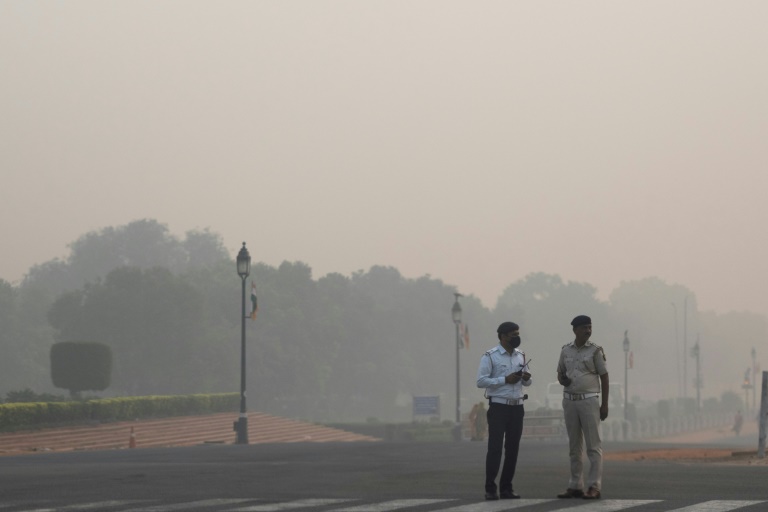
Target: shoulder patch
pixel 598 348
pixel 491 351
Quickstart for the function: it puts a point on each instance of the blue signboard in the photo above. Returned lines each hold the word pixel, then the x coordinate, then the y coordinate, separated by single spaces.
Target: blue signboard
pixel 426 406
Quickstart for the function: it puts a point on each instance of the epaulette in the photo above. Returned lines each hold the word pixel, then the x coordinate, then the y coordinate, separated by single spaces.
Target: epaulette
pixel 520 352
pixel 494 349
pixel 565 345
pixel 598 347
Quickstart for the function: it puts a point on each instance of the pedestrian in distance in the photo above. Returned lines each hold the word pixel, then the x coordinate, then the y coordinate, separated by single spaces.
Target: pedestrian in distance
pixel 473 423
pixel 738 421
pixel 478 422
pixel 583 372
pixel 481 422
pixel 503 372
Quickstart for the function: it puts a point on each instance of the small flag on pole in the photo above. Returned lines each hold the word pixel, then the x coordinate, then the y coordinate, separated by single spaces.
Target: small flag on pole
pixel 254 301
pixel 463 340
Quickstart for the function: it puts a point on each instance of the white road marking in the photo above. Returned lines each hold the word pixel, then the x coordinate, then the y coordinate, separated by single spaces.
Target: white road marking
pixel 189 505
pixel 494 506
pixel 389 505
pixel 608 505
pixel 100 505
pixel 289 505
pixel 717 506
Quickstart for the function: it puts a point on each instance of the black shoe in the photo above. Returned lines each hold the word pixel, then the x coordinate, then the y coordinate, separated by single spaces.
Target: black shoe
pixel 509 495
pixel 491 496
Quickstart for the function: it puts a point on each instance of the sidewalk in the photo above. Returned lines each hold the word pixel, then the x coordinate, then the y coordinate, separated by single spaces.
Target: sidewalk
pixel 711 435
pixel 181 431
pixel 679 449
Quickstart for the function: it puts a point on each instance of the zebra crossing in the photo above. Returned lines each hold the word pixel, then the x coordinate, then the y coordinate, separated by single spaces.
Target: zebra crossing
pixel 409 505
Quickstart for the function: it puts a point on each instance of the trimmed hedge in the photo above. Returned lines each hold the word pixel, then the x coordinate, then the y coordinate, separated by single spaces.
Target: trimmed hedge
pixel 34 415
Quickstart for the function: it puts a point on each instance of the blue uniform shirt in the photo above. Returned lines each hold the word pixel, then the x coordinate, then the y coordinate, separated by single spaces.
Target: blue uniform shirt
pixel 495 365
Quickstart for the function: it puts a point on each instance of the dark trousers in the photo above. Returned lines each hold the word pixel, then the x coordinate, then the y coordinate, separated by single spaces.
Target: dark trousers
pixel 505 427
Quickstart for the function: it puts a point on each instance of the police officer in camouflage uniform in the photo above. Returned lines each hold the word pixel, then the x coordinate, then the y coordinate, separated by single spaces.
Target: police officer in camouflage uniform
pixel 583 372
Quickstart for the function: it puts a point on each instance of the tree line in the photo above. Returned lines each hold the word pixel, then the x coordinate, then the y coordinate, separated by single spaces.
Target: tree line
pixel 336 347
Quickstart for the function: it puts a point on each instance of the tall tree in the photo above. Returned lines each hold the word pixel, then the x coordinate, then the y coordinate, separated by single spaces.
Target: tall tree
pixel 143 244
pixel 654 312
pixel 24 338
pixel 726 343
pixel 151 320
pixel 543 304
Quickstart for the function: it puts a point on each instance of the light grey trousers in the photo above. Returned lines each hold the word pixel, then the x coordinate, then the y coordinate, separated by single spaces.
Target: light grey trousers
pixel 582 420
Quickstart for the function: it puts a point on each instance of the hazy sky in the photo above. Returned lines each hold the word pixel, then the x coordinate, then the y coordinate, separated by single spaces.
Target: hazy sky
pixel 472 141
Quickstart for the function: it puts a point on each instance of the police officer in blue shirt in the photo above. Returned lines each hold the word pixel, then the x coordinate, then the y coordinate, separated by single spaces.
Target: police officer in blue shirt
pixel 503 372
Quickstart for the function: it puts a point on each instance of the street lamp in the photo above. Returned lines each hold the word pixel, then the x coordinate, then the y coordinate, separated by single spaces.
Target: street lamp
pixel 677 354
pixel 241 425
pixel 456 316
pixel 695 353
pixel 685 347
pixel 746 387
pixel 626 372
pixel 754 376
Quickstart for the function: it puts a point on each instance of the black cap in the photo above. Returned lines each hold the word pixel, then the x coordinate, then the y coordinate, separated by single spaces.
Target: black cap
pixel 581 320
pixel 507 327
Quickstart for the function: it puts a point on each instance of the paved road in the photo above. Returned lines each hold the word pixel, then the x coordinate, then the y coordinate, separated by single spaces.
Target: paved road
pixel 357 477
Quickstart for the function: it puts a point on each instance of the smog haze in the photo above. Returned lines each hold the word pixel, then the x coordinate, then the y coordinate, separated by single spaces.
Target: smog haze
pixel 473 142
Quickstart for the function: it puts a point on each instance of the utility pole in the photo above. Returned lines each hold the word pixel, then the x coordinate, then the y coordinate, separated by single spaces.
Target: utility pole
pixel 626 372
pixel 677 352
pixel 456 317
pixel 685 347
pixel 754 377
pixel 625 424
pixel 763 417
pixel 696 352
pixel 748 384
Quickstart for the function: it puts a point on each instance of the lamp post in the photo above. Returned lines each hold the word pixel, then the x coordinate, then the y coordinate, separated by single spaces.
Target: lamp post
pixel 241 425
pixel 677 353
pixel 763 423
pixel 746 387
pixel 456 316
pixel 626 373
pixel 685 347
pixel 754 376
pixel 695 353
